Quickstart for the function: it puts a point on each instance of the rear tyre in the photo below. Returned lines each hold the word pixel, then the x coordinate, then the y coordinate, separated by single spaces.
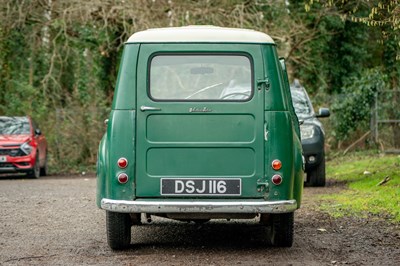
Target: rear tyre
pixel 35 172
pixel 118 230
pixel 282 229
pixel 317 176
pixel 43 170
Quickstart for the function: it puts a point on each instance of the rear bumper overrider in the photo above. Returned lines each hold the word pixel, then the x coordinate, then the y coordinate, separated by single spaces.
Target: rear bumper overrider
pixel 198 206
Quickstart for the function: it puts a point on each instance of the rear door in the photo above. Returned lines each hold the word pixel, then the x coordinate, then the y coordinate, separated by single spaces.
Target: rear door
pixel 200 121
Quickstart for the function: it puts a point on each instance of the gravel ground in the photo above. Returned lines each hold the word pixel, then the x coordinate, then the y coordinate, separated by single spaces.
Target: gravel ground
pixel 54 221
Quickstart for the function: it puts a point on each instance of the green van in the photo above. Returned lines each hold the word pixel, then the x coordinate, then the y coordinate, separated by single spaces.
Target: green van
pixel 202 127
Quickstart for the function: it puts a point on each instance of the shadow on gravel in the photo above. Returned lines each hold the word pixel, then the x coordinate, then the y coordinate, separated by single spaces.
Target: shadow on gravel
pixel 215 235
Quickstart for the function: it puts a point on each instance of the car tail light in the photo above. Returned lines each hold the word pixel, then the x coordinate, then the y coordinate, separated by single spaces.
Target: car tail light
pixel 122 162
pixel 276 165
pixel 276 179
pixel 123 178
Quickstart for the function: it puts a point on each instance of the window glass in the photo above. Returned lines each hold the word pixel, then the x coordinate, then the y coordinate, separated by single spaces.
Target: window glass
pixel 200 77
pixel 14 125
pixel 300 102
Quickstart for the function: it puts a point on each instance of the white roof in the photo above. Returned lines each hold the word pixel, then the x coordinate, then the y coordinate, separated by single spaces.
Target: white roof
pixel 209 34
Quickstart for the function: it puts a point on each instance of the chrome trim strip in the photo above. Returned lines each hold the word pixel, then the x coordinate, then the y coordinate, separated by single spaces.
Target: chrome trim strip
pixel 198 206
pixel 149 108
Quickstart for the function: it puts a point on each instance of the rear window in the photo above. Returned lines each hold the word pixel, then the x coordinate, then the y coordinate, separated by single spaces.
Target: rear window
pixel 201 77
pixel 300 102
pixel 14 126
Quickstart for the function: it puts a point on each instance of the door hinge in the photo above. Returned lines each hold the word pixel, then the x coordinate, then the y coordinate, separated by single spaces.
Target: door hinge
pixel 265 81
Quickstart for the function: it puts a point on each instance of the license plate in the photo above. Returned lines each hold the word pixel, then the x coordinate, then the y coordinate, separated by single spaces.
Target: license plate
pixel 3 159
pixel 201 187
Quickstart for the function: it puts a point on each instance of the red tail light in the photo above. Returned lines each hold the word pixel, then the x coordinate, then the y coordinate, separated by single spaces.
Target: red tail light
pixel 276 165
pixel 123 178
pixel 276 179
pixel 122 162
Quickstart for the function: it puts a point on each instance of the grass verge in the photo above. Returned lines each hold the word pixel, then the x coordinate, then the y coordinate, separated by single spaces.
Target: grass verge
pixel 365 196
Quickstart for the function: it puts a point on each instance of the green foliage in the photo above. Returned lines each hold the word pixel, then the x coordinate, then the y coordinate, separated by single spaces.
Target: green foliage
pixel 23 100
pixel 353 108
pixel 337 46
pixel 364 197
pixel 374 12
pixel 347 53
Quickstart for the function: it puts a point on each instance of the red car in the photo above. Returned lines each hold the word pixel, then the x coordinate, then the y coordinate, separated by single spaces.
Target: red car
pixel 23 148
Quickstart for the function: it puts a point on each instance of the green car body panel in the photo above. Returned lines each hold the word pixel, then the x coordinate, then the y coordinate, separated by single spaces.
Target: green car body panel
pixel 223 143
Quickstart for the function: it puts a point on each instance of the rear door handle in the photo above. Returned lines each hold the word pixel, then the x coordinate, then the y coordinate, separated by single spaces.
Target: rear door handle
pixel 149 108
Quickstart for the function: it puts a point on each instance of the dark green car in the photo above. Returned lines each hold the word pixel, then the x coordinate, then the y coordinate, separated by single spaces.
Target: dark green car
pixel 202 127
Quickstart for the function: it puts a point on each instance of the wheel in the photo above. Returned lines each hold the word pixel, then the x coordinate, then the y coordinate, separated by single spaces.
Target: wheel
pixel 317 177
pixel 118 230
pixel 35 172
pixel 43 170
pixel 282 229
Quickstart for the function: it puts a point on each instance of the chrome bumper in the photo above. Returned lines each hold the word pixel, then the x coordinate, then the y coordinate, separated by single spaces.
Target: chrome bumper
pixel 198 206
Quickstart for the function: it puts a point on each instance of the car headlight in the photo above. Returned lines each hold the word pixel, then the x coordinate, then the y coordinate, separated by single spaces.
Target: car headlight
pixel 307 131
pixel 26 148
